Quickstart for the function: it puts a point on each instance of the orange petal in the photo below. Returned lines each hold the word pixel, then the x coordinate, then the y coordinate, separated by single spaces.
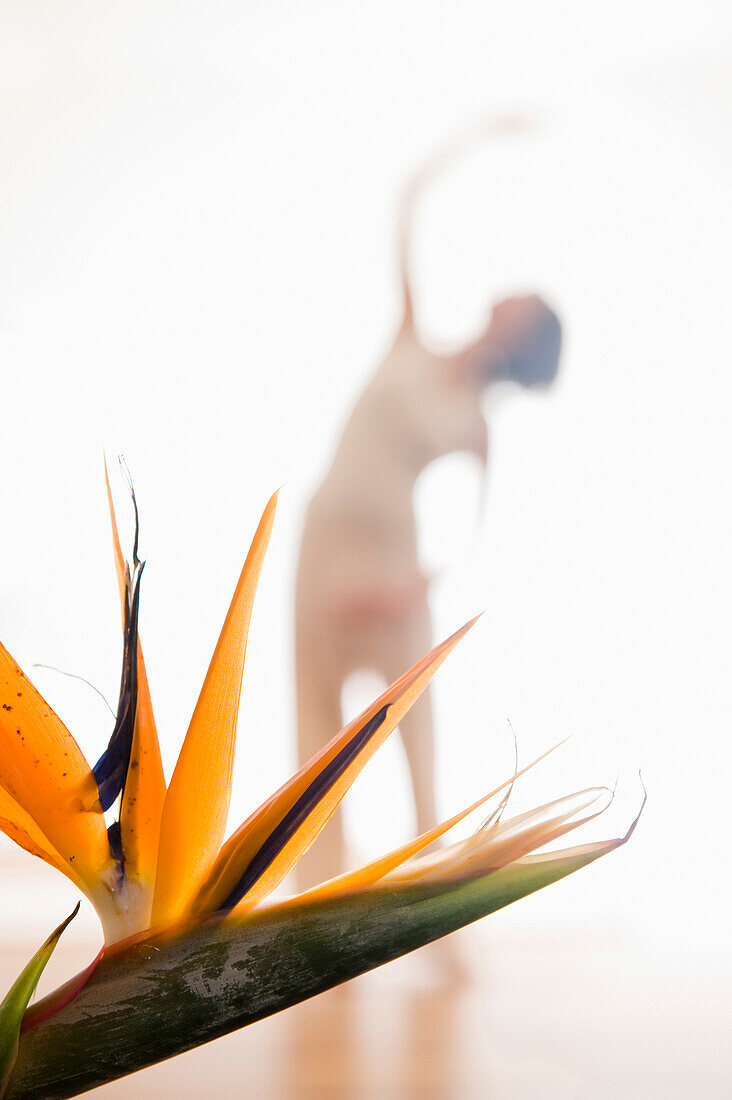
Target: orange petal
pixel 143 689
pixel 119 559
pixel 272 840
pixel 372 872
pixel 21 828
pixel 43 769
pixel 144 792
pixel 150 746
pixel 197 802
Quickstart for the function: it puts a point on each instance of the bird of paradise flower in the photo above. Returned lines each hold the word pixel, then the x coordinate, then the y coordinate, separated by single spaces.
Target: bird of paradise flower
pixel 191 949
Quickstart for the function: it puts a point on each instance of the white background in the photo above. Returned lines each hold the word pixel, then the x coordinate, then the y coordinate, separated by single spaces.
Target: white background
pixel 197 267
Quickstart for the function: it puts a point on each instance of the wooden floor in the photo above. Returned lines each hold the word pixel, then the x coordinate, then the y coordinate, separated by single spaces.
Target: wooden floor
pixel 570 1017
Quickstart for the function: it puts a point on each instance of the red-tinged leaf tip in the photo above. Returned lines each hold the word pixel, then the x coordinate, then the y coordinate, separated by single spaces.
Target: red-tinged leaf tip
pixel 13 1007
pixel 60 998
